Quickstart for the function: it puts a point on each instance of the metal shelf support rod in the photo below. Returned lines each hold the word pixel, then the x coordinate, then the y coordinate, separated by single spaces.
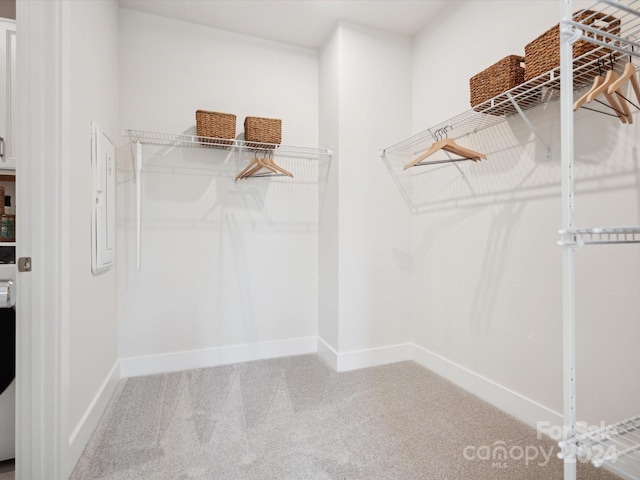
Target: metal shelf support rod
pixel 526 120
pixel 568 35
pixel 138 177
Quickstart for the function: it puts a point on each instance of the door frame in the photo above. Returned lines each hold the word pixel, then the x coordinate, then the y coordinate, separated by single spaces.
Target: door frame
pixel 42 233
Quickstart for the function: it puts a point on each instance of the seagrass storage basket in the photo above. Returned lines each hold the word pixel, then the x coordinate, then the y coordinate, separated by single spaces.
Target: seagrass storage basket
pixel 263 130
pixel 216 125
pixel 543 54
pixel 498 78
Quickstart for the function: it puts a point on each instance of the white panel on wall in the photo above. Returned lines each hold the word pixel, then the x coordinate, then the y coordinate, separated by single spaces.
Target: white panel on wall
pixel 103 229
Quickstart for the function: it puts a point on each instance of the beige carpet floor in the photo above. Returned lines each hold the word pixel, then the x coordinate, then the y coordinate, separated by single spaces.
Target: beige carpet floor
pixel 295 418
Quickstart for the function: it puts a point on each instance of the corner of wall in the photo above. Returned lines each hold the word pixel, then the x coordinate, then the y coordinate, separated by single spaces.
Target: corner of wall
pixel 79 437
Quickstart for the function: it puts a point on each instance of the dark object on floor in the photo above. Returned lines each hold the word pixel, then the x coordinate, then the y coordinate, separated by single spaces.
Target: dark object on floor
pixel 7 347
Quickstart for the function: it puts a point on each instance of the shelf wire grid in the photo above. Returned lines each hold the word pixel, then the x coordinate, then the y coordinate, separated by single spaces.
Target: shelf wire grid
pixel 498 112
pixel 623 40
pixel 601 236
pixel 616 445
pixel 538 91
pixel 182 140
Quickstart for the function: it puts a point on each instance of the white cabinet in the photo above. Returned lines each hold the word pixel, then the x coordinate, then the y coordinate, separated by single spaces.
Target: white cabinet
pixel 7 93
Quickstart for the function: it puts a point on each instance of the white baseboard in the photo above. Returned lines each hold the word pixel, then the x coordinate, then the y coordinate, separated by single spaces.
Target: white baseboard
pixel 211 357
pixel 356 359
pixel 509 401
pixel 373 357
pixel 328 354
pixel 82 433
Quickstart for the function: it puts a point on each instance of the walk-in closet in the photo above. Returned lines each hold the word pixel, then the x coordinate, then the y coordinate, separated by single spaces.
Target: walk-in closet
pixel 335 239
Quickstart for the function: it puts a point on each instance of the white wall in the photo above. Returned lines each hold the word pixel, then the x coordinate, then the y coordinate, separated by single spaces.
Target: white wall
pixel 93 335
pixel 328 247
pixel 487 272
pixel 223 262
pixel 373 103
pixel 374 227
pixel 169 69
pixel 232 263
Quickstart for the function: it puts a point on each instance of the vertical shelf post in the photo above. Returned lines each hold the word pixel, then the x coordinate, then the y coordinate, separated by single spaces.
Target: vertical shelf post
pixel 138 177
pixel 567 38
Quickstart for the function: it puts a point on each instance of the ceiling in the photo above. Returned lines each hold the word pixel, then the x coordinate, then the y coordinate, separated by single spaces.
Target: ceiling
pixel 306 23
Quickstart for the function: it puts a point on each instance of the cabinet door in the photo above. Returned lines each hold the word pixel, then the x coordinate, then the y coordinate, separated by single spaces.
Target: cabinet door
pixel 7 93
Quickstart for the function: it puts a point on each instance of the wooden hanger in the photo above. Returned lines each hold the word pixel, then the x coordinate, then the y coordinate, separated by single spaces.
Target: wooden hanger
pixel 258 164
pixel 629 74
pixel 255 165
pixel 609 78
pixel 269 160
pixel 597 81
pixel 448 145
pixel 271 164
pixel 622 101
pixel 621 108
pixel 601 86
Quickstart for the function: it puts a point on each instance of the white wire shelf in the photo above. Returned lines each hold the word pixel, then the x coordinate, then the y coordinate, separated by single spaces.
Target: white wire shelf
pixel 163 145
pixel 623 39
pixel 599 236
pixel 182 140
pixel 615 446
pixel 537 91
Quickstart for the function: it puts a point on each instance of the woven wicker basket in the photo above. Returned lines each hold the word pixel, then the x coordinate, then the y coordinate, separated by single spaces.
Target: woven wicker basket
pixel 543 54
pixel 497 79
pixel 215 125
pixel 1 199
pixel 263 130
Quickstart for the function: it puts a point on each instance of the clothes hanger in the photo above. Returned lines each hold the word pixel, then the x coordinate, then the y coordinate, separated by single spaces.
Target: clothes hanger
pixel 453 147
pixel 597 81
pixel 610 77
pixel 601 85
pixel 448 145
pixel 629 74
pixel 255 165
pixel 622 101
pixel 267 162
pixel 252 163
